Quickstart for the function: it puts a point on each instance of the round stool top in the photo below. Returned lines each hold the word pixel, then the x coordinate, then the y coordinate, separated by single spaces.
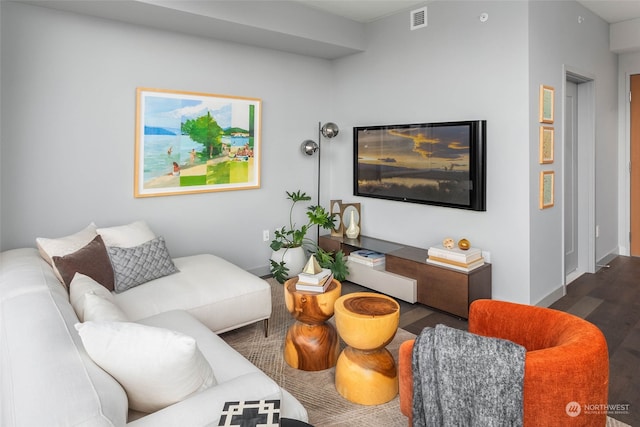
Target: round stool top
pixel 366 320
pixel 370 305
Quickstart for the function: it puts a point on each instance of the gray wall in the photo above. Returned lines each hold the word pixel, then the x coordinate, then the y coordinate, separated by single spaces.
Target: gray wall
pixel 68 106
pixel 454 69
pixel 68 130
pixel 558 40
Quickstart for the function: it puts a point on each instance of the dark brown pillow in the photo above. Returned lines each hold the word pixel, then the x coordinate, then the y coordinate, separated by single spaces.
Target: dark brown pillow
pixel 91 260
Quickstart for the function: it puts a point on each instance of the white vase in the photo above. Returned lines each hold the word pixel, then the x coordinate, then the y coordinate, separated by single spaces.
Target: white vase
pixel 294 259
pixel 353 230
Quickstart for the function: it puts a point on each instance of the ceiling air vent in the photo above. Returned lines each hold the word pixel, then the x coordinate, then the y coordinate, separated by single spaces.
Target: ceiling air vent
pixel 418 18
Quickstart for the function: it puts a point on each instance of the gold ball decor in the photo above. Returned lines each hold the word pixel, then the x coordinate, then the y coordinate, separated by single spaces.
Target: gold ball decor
pixel 448 243
pixel 464 244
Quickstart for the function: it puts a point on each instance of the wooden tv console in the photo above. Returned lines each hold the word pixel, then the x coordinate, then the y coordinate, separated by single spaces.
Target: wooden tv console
pixel 407 276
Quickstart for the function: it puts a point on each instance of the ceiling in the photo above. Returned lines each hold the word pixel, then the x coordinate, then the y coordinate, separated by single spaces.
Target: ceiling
pixel 611 11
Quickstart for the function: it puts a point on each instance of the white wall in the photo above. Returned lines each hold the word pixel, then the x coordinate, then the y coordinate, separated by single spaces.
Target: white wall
pixel 454 69
pixel 558 40
pixel 68 105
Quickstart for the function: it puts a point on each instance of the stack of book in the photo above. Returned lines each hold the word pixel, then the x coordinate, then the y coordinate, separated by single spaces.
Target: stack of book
pixel 367 257
pixel 455 258
pixel 318 282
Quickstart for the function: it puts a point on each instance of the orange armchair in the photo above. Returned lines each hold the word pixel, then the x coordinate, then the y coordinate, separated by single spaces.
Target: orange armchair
pixel 566 361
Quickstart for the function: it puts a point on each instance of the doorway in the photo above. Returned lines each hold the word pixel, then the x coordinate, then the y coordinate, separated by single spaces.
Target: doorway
pixel 634 185
pixel 578 176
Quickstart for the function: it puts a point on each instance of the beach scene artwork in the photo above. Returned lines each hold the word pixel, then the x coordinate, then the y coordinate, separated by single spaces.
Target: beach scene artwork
pixel 415 163
pixel 192 142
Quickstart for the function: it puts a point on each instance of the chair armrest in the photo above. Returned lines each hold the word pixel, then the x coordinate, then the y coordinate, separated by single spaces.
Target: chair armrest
pixel 205 408
pixel 405 378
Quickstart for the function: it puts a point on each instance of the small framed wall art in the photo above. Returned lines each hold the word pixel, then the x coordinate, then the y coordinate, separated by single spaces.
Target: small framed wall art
pixel 189 142
pixel 546 189
pixel 546 144
pixel 546 104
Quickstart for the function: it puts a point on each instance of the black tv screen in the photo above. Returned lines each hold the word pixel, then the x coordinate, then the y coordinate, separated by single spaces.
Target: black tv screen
pixel 440 164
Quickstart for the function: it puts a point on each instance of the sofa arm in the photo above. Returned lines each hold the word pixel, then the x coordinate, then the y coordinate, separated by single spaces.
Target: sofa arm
pixel 205 408
pixel 405 378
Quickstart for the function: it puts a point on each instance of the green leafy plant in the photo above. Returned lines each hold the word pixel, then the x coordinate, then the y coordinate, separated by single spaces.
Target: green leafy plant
pixel 292 237
pixel 334 261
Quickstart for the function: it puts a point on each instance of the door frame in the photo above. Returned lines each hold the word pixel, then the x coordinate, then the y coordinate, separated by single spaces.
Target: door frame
pixel 630 172
pixel 586 171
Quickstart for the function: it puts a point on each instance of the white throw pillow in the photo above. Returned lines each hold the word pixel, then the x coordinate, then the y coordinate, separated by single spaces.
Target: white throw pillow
pixel 99 308
pixel 66 245
pixel 126 236
pixel 81 285
pixel 156 367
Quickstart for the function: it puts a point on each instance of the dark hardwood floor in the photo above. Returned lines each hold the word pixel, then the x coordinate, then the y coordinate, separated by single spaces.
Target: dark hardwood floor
pixel 610 299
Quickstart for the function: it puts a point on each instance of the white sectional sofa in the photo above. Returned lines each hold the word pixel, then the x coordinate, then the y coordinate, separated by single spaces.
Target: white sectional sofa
pixel 48 376
pixel 216 292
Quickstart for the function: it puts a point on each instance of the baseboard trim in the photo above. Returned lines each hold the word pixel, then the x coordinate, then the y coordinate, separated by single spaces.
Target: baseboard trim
pixel 551 298
pixel 604 261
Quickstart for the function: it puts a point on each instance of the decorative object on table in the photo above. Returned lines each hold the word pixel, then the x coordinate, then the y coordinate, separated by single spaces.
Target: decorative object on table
pixel 546 144
pixel 448 243
pixel 367 257
pixel 328 130
pixel 446 165
pixel 546 189
pixel 456 258
pixel 178 152
pixel 319 287
pixel 546 104
pixel 464 244
pixel 251 413
pixel 351 219
pixel 311 343
pixel 366 372
pixel 314 278
pixel 289 257
pixel 353 230
pixel 312 266
pixel 336 210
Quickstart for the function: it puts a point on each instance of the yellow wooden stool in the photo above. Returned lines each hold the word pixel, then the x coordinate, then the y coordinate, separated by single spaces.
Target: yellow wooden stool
pixel 366 372
pixel 311 343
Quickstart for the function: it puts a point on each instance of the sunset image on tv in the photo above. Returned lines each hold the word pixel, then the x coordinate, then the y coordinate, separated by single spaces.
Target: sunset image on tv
pixel 427 163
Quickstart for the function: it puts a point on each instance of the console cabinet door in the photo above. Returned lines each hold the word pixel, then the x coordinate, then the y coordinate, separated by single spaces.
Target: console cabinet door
pixel 445 290
pixel 401 266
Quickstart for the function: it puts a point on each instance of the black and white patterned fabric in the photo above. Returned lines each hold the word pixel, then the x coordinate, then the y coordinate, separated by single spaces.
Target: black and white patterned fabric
pixel 140 264
pixel 251 413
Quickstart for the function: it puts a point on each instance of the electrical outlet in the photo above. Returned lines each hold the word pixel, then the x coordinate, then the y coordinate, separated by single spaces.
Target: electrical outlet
pixel 597 231
pixel 265 235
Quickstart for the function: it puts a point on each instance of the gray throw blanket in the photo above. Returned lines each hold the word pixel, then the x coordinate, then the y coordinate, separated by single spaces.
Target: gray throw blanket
pixel 463 379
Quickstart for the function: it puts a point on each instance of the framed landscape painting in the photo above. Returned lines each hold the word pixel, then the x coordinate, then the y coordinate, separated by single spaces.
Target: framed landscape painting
pixel 189 142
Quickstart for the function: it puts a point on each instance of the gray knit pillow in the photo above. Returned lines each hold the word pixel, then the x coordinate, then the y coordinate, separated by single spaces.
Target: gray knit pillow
pixel 140 264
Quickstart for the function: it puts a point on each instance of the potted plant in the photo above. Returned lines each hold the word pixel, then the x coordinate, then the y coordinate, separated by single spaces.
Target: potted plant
pixel 289 243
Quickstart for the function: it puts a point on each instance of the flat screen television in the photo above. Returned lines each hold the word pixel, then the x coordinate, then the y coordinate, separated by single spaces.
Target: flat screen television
pixel 441 164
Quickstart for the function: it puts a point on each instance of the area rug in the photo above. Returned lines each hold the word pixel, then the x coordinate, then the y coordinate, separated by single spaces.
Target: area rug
pixel 315 390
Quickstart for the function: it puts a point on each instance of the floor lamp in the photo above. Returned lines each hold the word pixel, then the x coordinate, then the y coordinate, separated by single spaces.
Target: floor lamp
pixel 309 147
